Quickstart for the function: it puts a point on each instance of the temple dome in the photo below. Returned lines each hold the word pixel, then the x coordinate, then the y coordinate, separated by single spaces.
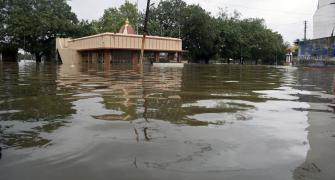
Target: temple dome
pixel 127 28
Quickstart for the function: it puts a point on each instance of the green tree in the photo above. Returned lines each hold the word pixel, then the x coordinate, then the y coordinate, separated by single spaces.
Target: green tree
pixel 114 18
pixel 199 33
pixel 166 19
pixel 229 36
pixel 33 25
pixel 3 15
pixel 85 28
pixel 248 40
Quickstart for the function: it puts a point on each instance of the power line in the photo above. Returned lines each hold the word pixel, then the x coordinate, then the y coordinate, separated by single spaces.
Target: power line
pixel 292 23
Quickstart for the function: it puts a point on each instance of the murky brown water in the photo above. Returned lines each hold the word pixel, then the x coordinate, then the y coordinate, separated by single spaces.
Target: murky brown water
pixel 196 122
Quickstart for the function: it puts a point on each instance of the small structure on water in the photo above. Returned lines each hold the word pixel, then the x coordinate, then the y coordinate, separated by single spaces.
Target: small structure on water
pixel 116 48
pixel 290 54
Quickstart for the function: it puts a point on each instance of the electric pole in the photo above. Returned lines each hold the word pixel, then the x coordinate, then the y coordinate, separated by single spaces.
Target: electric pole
pixel 137 18
pixel 145 31
pixel 305 31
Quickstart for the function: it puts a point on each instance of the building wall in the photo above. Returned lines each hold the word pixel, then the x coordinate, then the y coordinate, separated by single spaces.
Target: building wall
pixel 121 41
pixel 70 49
pixel 324 19
pixel 317 49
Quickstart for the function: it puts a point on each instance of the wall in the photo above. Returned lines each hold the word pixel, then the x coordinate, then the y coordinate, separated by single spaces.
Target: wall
pixel 129 42
pixel 70 49
pixel 317 49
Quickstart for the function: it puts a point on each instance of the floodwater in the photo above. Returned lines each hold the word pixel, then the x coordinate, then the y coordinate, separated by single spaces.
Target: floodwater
pixel 196 122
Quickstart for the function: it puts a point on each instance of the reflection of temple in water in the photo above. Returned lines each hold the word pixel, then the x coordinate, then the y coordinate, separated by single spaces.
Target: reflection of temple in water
pixel 133 93
pixel 137 93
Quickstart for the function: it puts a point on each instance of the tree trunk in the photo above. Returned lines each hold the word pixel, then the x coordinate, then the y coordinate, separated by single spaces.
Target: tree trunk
pixel 38 57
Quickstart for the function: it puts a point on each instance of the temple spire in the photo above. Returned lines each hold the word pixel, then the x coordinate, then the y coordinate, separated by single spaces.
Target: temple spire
pixel 127 28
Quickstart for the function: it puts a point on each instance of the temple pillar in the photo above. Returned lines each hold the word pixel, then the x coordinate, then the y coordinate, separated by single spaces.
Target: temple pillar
pixel 94 57
pixel 107 57
pixel 135 57
pixel 178 54
pixel 89 57
pixel 157 57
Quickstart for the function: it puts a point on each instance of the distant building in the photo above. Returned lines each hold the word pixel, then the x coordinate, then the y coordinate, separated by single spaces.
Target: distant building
pixel 324 19
pixel 115 48
pixel 290 51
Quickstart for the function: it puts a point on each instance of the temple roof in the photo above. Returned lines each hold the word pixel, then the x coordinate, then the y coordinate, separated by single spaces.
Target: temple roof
pixel 127 28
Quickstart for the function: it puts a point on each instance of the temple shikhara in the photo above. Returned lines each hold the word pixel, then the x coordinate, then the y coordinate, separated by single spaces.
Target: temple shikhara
pixel 116 48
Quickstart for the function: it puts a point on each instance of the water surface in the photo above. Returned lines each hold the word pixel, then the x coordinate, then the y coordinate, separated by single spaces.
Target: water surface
pixel 196 122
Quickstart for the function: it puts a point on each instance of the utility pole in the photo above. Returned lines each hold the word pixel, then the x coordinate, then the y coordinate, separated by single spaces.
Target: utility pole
pixel 145 31
pixel 305 31
pixel 137 18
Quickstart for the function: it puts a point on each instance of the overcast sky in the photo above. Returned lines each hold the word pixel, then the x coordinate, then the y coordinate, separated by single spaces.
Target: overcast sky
pixel 284 16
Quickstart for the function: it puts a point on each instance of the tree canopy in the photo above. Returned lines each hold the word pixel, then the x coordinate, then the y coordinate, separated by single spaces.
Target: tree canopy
pixel 224 36
pixel 114 18
pixel 33 25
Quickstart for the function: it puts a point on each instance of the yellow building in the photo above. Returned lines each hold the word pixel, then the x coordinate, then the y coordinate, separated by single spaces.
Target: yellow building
pixel 115 48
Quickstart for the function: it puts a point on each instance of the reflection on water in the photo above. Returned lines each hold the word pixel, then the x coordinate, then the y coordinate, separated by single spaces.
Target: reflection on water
pixel 195 122
pixel 319 161
pixel 30 103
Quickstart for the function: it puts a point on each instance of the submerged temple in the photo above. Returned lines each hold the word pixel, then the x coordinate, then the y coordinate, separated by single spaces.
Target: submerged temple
pixel 115 48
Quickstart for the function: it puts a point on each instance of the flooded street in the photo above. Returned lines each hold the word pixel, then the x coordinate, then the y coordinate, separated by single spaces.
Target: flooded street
pixel 196 122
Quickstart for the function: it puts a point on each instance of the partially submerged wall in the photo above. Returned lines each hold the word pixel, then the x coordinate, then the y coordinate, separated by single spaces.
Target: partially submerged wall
pixel 317 49
pixel 66 55
pixel 70 50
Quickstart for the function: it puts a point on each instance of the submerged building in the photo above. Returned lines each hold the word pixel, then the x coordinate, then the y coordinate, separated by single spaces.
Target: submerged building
pixel 115 48
pixel 322 46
